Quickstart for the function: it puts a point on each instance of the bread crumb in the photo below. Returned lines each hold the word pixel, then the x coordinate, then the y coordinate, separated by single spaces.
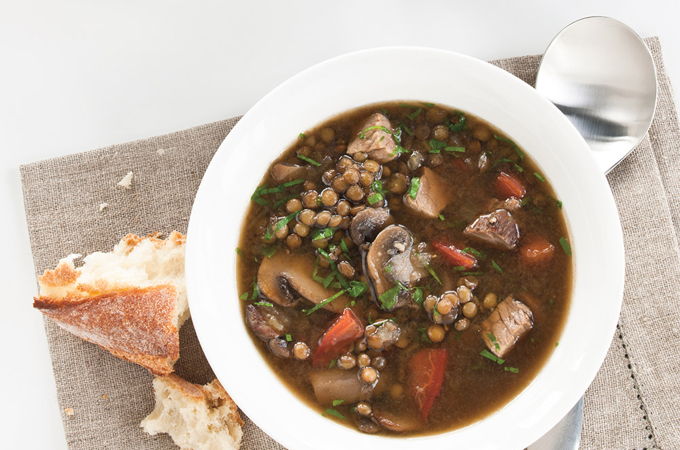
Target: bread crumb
pixel 103 206
pixel 126 181
pixel 105 396
pixel 69 411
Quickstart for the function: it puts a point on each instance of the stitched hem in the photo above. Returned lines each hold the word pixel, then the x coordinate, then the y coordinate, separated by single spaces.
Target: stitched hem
pixel 643 406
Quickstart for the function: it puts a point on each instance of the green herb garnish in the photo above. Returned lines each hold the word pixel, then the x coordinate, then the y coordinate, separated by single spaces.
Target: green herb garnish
pixel 539 177
pixel 413 187
pixel 488 355
pixel 269 251
pixel 334 413
pixel 338 402
pixel 406 129
pixel 496 267
pixel 239 252
pixel 362 133
pixel 511 369
pixel 423 335
pixel 514 146
pixel 266 190
pixel 343 246
pixel 377 186
pixel 564 243
pixel 280 224
pixel 263 303
pixel 389 298
pixel 418 295
pixel 375 197
pixel 308 160
pixel 428 105
pixel 415 113
pixel 289 338
pixel 472 274
pixel 244 296
pixel 460 125
pixel 255 292
pixel 436 146
pixel 558 203
pixel 493 340
pixel 441 217
pixel 333 363
pixel 302 136
pixel 398 150
pixel 357 288
pixel 322 233
pixel 323 303
pixel 430 269
pixel 517 167
pixel 454 149
pixel 474 252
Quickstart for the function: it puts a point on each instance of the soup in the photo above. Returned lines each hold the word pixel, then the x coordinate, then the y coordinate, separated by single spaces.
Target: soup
pixel 405 268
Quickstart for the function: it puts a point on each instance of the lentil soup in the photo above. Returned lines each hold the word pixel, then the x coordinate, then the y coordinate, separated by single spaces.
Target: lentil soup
pixel 405 268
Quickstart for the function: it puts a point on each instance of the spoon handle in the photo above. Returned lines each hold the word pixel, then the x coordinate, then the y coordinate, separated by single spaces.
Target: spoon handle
pixel 566 435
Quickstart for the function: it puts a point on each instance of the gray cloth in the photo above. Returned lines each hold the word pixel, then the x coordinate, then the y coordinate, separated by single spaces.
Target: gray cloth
pixel 631 404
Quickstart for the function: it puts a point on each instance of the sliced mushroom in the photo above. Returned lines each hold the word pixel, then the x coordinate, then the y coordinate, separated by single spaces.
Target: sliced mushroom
pixel 389 262
pixel 394 422
pixel 497 229
pixel 375 139
pixel 282 172
pixel 287 278
pixel 432 195
pixel 367 224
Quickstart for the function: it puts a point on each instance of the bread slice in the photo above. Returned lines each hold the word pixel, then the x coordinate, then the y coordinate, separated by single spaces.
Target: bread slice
pixel 195 416
pixel 131 301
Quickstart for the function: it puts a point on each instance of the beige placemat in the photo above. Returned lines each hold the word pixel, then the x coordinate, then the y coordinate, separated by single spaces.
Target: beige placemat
pixel 633 402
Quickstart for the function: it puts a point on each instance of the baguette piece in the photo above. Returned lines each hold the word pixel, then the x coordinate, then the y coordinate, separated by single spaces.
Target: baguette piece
pixel 195 416
pixel 131 301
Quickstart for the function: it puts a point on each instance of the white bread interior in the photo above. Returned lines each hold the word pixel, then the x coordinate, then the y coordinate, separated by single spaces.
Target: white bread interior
pixel 196 417
pixel 135 262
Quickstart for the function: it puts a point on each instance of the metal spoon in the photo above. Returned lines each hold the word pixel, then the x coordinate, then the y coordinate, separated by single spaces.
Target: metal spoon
pixel 600 74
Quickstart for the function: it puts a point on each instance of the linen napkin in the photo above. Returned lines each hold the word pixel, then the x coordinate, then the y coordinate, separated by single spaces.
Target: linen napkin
pixel 633 402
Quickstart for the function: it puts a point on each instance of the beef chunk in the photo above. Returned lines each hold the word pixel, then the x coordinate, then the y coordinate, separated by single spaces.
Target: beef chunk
pixel 375 139
pixel 497 229
pixel 432 196
pixel 507 323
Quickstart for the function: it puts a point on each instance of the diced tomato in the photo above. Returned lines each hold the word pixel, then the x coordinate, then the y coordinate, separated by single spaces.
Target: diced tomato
pixel 453 256
pixel 338 338
pixel 509 186
pixel 426 376
pixel 536 250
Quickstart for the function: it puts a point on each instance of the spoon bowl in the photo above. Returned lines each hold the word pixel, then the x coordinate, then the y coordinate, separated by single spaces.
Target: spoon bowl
pixel 600 74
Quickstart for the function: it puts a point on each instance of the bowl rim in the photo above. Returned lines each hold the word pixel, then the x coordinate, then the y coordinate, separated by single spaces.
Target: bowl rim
pixel 609 231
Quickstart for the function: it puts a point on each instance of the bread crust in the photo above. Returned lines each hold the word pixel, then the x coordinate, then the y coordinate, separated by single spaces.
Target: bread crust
pixel 137 325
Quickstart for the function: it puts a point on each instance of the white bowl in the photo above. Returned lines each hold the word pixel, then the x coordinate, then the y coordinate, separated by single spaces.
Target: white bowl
pixel 437 76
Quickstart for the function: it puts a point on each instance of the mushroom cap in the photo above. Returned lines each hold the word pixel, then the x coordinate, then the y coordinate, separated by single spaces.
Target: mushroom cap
pixel 286 278
pixel 367 224
pixel 391 248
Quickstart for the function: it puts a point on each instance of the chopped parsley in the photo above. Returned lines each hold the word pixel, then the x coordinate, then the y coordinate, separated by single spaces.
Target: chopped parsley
pixel 323 303
pixel 289 338
pixel 335 413
pixel 423 335
pixel 558 203
pixel 564 243
pixel 280 224
pixel 496 267
pixel 244 296
pixel 490 356
pixel 263 303
pixel 398 150
pixel 239 252
pixel 441 217
pixel 322 233
pixel 333 363
pixel 418 295
pixel 493 340
pixel 415 113
pixel 428 105
pixel 338 402
pixel 406 129
pixel 451 149
pixel 309 160
pixel 257 196
pixel 357 288
pixel 511 369
pixel 389 298
pixel 269 251
pixel 500 161
pixel 343 246
pixel 414 187
pixel 302 136
pixel 375 197
pixel 539 177
pixel 436 146
pixel 430 269
pixel 362 133
pixel 514 146
pixel 474 252
pixel 460 125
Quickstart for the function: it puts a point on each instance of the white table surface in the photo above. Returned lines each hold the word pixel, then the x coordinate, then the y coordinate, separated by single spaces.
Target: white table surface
pixel 78 75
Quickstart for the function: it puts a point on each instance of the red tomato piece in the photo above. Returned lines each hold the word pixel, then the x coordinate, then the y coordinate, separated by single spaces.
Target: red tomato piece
pixel 536 250
pixel 338 338
pixel 455 257
pixel 509 186
pixel 426 376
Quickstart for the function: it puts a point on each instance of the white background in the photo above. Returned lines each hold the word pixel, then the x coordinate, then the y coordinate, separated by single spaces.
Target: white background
pixel 77 75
